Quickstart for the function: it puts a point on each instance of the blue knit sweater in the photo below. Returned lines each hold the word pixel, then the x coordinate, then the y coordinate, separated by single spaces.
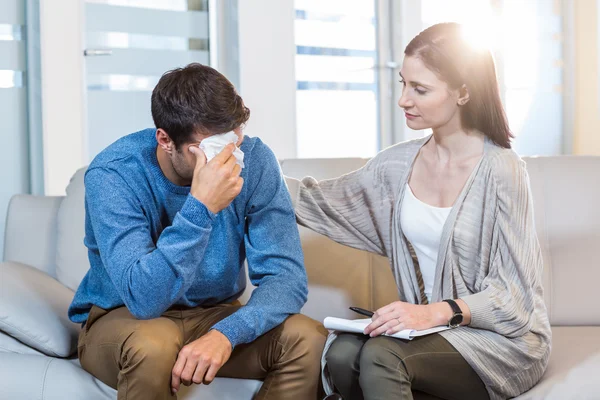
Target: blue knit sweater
pixel 152 245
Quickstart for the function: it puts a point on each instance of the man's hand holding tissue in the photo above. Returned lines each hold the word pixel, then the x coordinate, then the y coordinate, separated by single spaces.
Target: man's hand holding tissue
pixel 216 183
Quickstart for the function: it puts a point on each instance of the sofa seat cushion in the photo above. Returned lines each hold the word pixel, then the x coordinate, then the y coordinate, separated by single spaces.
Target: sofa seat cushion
pixel 41 377
pixel 33 310
pixel 572 346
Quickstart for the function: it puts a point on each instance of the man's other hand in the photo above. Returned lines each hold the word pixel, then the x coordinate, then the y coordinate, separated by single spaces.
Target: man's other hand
pixel 199 361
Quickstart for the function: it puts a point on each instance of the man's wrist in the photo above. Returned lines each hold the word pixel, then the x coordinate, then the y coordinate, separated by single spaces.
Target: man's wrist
pixel 222 336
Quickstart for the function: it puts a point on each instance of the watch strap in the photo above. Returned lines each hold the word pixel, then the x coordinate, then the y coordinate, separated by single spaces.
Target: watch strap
pixel 455 308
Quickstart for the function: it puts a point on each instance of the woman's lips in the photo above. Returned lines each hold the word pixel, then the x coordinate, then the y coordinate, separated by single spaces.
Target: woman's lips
pixel 410 116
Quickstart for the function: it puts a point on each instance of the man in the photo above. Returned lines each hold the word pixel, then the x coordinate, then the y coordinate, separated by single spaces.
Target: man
pixel 167 235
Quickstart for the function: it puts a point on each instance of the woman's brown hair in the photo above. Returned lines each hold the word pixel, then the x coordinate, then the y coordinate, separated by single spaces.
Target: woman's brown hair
pixel 444 49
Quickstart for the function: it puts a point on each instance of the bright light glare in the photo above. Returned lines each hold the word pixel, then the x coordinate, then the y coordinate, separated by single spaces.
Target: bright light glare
pixel 480 37
pixel 480 26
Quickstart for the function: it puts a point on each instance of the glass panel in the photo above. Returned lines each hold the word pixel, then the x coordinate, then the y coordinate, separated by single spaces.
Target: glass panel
pixel 137 62
pixel 343 8
pixel 122 82
pixel 124 40
pixel 109 18
pixel 147 38
pixel 12 12
pixel 336 123
pixel 335 69
pixel 11 79
pixel 173 5
pixel 11 32
pixel 13 107
pixel 114 114
pixel 336 98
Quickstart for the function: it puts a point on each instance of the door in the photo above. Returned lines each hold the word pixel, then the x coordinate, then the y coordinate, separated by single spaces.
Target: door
pixel 129 44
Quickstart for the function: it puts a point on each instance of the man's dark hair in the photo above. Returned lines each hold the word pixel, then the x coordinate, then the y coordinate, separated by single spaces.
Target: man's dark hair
pixel 196 99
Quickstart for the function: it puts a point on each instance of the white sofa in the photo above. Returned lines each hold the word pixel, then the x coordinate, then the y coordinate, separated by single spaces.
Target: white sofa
pixel 44 260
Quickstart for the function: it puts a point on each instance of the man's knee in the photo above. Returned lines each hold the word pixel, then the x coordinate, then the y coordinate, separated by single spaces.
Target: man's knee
pixel 152 347
pixel 303 334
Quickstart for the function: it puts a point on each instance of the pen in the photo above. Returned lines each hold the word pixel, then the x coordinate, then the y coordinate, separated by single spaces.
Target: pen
pixel 362 311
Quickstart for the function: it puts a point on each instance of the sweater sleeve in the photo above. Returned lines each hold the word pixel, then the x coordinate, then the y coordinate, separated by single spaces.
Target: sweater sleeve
pixel 506 302
pixel 352 209
pixel 273 252
pixel 149 277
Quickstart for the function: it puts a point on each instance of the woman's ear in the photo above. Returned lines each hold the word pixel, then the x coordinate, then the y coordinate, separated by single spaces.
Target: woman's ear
pixel 463 95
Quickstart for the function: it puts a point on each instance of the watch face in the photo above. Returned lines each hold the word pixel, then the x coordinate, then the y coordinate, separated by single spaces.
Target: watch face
pixel 456 320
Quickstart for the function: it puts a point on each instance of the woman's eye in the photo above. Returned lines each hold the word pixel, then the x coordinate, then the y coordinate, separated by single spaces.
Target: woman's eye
pixel 420 91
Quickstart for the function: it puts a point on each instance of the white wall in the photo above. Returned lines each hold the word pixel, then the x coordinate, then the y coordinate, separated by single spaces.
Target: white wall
pixel 587 82
pixel 63 100
pixel 267 74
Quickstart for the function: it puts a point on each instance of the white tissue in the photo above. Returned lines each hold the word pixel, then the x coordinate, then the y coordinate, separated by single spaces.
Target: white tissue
pixel 213 145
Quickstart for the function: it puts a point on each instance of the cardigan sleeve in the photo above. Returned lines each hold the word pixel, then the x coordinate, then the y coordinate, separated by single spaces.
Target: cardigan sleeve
pixel 506 302
pixel 352 209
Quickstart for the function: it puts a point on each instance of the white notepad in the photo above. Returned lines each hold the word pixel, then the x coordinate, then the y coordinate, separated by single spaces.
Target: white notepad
pixel 359 325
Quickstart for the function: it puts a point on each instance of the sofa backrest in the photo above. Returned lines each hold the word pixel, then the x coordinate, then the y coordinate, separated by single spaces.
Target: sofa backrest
pixel 339 276
pixel 30 231
pixel 566 195
pixel 71 254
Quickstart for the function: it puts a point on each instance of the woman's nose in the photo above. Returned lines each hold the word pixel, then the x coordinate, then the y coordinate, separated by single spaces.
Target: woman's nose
pixel 404 101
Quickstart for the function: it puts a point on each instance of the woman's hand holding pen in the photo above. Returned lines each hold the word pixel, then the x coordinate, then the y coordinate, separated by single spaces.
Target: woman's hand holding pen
pixel 399 315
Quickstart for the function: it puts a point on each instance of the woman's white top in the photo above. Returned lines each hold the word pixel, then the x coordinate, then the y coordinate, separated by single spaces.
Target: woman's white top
pixel 422 225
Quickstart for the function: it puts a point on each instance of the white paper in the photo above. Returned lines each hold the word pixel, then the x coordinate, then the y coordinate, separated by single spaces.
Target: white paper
pixel 359 325
pixel 213 145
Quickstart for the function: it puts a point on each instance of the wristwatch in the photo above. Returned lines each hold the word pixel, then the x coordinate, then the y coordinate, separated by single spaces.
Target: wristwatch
pixel 457 317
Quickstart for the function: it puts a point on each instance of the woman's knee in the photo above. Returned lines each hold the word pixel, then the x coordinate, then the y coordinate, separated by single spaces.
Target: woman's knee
pixel 343 353
pixel 380 355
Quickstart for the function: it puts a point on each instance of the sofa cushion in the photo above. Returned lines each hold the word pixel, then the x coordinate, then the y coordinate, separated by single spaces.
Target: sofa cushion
pixel 71 254
pixel 9 344
pixel 40 377
pixel 580 384
pixel 572 346
pixel 31 231
pixel 33 310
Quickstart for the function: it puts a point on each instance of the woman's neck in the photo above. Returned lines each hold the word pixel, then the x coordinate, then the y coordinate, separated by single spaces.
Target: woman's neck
pixel 456 143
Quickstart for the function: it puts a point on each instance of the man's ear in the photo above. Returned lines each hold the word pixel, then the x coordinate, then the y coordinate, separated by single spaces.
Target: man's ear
pixel 240 135
pixel 164 141
pixel 463 95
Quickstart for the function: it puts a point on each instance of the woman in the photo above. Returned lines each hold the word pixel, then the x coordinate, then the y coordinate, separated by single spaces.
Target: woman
pixel 453 213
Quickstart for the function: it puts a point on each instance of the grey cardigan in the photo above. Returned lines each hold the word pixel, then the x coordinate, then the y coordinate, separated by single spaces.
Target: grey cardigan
pixel 489 254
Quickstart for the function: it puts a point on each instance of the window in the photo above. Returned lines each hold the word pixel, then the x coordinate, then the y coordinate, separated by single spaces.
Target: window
pixel 336 79
pixel 348 55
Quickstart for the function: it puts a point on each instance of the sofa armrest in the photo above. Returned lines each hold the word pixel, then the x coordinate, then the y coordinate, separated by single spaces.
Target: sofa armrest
pixel 33 310
pixel 31 231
